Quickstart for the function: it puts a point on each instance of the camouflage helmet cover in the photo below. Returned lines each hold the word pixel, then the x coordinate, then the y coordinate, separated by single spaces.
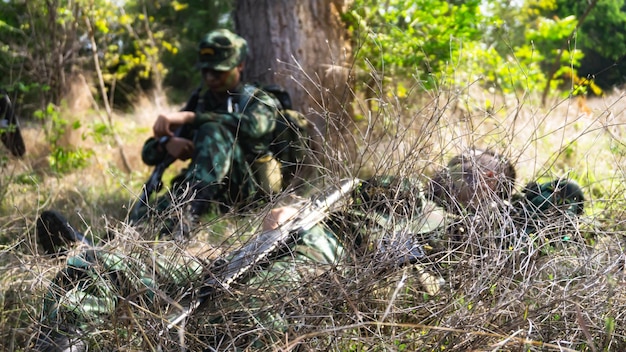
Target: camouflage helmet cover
pixel 221 50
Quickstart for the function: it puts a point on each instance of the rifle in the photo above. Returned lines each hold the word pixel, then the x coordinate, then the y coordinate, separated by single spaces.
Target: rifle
pixel 229 270
pixel 154 184
pixel 9 128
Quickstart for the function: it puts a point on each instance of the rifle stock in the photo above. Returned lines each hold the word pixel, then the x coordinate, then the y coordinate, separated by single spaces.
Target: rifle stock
pixel 263 246
pixel 154 184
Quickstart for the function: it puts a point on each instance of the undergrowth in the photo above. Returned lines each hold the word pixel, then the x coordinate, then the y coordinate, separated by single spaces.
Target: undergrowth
pixel 535 293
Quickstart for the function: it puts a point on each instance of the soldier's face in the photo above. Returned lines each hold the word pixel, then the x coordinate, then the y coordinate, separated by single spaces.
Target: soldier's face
pixel 222 81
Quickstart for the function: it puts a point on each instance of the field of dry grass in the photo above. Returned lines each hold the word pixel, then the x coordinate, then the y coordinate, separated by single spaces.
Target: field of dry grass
pixel 526 296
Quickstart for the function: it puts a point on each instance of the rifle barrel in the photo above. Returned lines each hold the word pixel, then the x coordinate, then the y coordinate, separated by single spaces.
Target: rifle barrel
pixel 262 246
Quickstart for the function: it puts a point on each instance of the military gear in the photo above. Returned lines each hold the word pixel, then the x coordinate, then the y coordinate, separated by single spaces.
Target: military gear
pixel 267 173
pixel 402 196
pixel 548 211
pixel 560 194
pixel 271 242
pixel 91 286
pixel 291 142
pixel 94 281
pixel 55 234
pixel 472 179
pixel 410 251
pixel 10 133
pixel 154 183
pixel 66 339
pixel 221 50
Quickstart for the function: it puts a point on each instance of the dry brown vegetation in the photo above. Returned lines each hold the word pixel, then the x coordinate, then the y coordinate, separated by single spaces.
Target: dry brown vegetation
pixel 525 296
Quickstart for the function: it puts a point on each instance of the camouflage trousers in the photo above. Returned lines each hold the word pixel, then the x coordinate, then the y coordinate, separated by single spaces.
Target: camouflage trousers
pixel 101 286
pixel 91 286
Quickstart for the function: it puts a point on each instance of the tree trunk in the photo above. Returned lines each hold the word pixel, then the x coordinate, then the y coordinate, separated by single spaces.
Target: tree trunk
pixel 303 46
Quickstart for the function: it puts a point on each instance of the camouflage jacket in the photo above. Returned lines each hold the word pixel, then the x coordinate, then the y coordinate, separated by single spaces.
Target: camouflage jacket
pixel 248 112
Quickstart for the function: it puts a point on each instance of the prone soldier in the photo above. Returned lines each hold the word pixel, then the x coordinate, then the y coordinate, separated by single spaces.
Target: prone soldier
pixel 478 186
pixel 384 218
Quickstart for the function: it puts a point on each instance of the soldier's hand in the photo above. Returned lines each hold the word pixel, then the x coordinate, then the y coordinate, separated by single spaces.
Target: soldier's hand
pixel 278 216
pixel 166 124
pixel 180 148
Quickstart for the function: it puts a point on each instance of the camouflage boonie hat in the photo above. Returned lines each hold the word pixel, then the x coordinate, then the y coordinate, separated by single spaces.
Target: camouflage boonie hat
pixel 473 177
pixel 221 50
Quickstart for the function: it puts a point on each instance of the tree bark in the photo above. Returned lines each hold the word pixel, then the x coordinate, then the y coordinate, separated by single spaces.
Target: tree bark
pixel 303 46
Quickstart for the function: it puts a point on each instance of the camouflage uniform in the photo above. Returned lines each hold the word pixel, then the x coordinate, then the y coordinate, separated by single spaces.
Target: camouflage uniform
pixel 388 218
pixel 479 187
pixel 230 132
pixel 226 144
pixel 473 180
pixel 94 283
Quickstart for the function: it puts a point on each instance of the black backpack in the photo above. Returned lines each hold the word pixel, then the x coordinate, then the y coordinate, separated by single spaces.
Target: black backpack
pixel 291 140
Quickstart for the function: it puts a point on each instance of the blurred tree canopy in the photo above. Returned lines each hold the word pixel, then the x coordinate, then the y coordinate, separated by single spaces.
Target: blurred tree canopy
pixel 144 45
pixel 602 37
pixel 186 21
pixel 500 44
pixel 415 37
pixel 139 45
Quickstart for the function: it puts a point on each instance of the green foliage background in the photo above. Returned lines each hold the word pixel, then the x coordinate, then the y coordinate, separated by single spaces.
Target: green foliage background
pixel 145 47
pixel 144 44
pixel 510 48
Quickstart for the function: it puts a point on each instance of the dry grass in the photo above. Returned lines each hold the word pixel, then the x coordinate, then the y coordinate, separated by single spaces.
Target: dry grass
pixel 531 296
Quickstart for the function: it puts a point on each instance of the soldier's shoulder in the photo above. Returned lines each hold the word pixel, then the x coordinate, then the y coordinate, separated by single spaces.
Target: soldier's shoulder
pixel 253 94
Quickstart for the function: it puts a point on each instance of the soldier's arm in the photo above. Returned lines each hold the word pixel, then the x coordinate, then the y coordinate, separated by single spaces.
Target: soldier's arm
pixel 278 216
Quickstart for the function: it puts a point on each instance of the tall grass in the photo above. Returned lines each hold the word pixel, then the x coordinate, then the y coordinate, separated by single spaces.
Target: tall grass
pixel 529 295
